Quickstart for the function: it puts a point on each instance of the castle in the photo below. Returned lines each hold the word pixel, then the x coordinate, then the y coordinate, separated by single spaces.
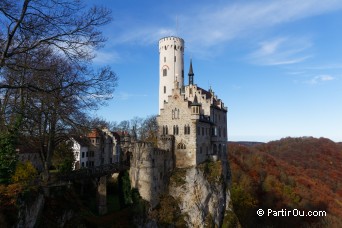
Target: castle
pixel 192 125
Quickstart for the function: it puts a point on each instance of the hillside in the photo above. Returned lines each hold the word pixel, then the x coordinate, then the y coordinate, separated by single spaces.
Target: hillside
pixel 292 173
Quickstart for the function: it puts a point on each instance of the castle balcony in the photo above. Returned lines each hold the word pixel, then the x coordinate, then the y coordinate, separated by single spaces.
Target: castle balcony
pixel 205 118
pixel 215 139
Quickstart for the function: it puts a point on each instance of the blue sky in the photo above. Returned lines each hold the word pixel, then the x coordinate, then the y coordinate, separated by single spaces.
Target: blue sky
pixel 277 65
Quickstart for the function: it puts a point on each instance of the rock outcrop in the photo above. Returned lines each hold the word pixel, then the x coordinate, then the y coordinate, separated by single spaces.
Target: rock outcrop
pixel 197 196
pixel 201 193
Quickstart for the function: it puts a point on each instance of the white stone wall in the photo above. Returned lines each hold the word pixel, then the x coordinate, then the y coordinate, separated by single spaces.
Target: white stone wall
pixel 171 59
pixel 150 169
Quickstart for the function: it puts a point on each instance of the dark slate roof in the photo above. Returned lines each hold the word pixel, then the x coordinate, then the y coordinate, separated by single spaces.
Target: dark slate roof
pixel 191 72
pixel 205 92
pixel 83 141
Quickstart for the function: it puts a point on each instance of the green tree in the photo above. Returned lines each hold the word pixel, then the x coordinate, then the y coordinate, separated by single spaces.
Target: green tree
pixel 125 193
pixel 63 158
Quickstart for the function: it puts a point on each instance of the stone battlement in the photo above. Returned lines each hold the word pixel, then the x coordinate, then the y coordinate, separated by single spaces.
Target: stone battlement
pixel 171 42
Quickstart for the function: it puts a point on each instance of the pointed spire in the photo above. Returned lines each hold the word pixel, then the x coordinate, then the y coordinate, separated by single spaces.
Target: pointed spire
pixel 195 99
pixel 191 74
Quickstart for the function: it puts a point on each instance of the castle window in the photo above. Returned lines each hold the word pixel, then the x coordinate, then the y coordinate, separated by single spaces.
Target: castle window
pixel 186 129
pixel 164 72
pixel 164 59
pixel 178 114
pixel 82 154
pixel 219 131
pixel 175 130
pixel 215 149
pixel 166 130
pixel 82 164
pixel 181 146
pixel 164 89
pixel 87 154
pixel 224 132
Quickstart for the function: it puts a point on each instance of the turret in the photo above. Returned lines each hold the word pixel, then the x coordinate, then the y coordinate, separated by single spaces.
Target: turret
pixel 191 74
pixel 171 67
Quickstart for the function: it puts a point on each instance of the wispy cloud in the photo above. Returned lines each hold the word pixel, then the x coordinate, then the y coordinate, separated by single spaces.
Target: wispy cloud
pixel 127 96
pixel 320 78
pixel 103 57
pixel 281 51
pixel 206 26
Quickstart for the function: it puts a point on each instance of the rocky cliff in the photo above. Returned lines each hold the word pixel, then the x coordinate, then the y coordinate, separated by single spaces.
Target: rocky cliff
pixel 197 196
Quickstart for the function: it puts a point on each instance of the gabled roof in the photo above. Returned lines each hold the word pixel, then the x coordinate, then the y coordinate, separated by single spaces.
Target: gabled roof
pixel 205 92
pixel 83 141
pixel 195 102
pixel 95 133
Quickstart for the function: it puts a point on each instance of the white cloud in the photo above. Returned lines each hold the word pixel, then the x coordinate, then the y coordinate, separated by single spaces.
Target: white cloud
pixel 106 57
pixel 126 96
pixel 209 25
pixel 320 78
pixel 281 51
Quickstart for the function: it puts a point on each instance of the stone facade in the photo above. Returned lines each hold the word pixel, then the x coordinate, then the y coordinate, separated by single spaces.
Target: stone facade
pixel 195 117
pixel 99 147
pixel 150 168
pixel 192 126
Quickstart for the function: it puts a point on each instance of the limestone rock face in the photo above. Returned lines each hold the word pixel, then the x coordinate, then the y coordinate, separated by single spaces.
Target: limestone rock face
pixel 201 194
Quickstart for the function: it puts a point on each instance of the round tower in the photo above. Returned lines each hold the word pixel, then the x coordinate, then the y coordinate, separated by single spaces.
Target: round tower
pixel 171 66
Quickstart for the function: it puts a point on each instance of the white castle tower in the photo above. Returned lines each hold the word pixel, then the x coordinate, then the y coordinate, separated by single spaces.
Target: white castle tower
pixel 171 66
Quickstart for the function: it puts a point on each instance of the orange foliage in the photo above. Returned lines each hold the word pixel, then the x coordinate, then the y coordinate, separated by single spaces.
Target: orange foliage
pixel 301 173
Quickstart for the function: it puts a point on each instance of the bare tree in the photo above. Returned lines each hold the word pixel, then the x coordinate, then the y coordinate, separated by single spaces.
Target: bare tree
pixel 67 27
pixel 47 84
pixel 49 116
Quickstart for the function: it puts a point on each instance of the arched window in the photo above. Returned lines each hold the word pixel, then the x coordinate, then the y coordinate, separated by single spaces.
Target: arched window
pixel 181 146
pixel 164 72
